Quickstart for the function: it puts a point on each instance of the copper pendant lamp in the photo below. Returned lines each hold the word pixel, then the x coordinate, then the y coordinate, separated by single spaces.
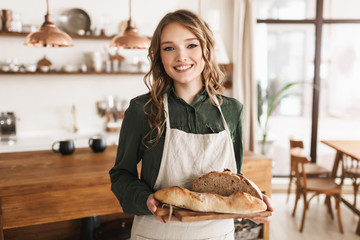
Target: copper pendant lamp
pixel 48 35
pixel 130 39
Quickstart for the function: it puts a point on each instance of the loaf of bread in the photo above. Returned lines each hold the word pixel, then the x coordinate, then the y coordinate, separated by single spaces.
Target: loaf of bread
pixel 239 202
pixel 225 183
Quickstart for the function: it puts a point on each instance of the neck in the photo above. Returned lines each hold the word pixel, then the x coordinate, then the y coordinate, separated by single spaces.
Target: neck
pixel 188 92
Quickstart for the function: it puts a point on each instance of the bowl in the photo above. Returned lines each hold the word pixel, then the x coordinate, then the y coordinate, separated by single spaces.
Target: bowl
pixel 30 68
pixel 44 68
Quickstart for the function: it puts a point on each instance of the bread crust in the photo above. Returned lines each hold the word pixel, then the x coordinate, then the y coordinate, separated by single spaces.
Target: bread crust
pixel 225 183
pixel 239 202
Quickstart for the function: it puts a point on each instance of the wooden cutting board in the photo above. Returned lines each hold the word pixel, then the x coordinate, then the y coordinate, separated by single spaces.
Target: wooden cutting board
pixel 185 215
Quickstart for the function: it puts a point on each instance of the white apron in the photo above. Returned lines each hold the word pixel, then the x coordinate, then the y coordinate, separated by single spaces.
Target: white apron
pixel 186 156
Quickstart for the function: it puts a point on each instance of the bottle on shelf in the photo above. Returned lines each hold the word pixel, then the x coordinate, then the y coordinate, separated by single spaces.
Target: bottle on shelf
pixel 16 24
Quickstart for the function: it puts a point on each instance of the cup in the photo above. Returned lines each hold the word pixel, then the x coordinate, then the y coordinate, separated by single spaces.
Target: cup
pixel 97 144
pixel 66 147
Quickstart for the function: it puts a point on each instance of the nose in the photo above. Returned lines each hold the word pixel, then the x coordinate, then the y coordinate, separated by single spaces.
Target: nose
pixel 181 55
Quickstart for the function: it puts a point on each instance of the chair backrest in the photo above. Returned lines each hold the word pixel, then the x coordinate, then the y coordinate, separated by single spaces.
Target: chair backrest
pixel 296 143
pixel 351 166
pixel 299 162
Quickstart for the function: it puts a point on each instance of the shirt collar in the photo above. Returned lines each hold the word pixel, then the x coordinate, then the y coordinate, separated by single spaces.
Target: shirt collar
pixel 201 96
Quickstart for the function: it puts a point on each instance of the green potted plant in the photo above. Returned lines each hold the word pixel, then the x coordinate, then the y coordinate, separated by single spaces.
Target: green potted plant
pixel 272 100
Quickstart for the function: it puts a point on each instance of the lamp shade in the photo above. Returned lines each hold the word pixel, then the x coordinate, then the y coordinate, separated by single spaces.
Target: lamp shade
pixel 130 39
pixel 48 36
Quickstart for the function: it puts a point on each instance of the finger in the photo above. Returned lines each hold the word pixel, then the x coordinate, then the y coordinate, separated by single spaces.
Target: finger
pixel 159 218
pixel 152 203
pixel 165 219
pixel 153 209
pixel 259 220
pixel 173 218
pixel 268 203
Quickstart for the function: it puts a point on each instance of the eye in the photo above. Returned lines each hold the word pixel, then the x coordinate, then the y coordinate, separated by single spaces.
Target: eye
pixel 168 48
pixel 192 45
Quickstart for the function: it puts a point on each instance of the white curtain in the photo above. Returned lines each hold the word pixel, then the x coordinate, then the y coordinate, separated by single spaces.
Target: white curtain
pixel 244 83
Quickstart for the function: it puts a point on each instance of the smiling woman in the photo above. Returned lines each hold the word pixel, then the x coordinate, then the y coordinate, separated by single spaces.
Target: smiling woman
pixel 190 129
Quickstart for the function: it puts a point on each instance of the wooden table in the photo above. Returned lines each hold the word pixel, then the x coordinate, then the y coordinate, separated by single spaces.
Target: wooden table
pixel 258 168
pixel 343 148
pixel 41 187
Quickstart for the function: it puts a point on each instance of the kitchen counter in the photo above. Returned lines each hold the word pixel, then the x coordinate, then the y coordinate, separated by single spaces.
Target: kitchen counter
pixel 38 187
pixel 41 187
pixel 44 141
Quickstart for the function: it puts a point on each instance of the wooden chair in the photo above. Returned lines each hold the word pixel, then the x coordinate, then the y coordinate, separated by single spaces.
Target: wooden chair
pixel 316 186
pixel 312 169
pixel 351 169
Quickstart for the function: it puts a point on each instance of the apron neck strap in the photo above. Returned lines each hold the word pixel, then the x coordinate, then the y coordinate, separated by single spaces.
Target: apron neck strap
pixel 166 108
pixel 222 116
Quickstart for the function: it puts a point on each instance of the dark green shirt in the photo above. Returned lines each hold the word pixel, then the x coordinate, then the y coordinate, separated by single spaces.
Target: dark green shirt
pixel 200 117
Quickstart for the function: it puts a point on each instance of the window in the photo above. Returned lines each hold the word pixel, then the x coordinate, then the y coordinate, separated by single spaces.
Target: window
pixel 285 9
pixel 287 57
pixel 341 72
pixel 286 52
pixel 341 9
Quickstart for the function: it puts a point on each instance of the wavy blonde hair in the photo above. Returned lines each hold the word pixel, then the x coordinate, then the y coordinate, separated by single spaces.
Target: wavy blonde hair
pixel 157 80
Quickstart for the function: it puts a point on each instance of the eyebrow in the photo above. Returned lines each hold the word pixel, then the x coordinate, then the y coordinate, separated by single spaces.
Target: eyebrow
pixel 188 39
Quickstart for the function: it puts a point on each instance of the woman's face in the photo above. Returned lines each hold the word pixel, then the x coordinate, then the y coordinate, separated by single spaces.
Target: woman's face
pixel 181 55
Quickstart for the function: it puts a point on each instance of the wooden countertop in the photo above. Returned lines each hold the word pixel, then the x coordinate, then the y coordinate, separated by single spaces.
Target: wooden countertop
pixel 258 168
pixel 28 171
pixel 31 171
pixel 41 186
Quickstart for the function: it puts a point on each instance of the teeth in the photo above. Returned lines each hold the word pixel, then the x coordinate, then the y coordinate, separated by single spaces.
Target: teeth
pixel 182 68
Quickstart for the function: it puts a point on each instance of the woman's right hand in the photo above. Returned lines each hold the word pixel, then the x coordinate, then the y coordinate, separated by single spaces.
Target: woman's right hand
pixel 268 203
pixel 153 204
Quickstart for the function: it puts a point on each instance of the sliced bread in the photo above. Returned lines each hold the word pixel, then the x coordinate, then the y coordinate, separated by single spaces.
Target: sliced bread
pixel 225 183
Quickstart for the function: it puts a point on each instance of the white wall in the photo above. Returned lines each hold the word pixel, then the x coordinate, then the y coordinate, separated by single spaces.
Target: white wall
pixel 43 102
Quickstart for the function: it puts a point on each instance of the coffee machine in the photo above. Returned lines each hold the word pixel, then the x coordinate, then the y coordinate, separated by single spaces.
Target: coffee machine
pixel 8 127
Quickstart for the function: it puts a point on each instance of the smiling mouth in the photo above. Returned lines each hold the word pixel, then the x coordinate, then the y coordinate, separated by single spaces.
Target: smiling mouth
pixel 183 67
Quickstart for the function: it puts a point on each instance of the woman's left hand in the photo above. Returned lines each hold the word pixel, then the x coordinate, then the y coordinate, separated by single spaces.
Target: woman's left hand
pixel 258 220
pixel 153 205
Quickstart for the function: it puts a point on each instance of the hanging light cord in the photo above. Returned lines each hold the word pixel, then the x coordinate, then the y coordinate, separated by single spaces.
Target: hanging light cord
pixel 199 6
pixel 47 7
pixel 130 9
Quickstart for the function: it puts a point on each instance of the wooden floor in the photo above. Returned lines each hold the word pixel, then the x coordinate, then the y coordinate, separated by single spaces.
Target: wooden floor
pixel 318 223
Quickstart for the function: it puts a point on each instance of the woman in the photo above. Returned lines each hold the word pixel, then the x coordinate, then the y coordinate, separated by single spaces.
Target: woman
pixel 180 130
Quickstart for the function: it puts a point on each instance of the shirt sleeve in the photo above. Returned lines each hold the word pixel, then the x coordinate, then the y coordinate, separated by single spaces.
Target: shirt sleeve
pixel 238 142
pixel 125 184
